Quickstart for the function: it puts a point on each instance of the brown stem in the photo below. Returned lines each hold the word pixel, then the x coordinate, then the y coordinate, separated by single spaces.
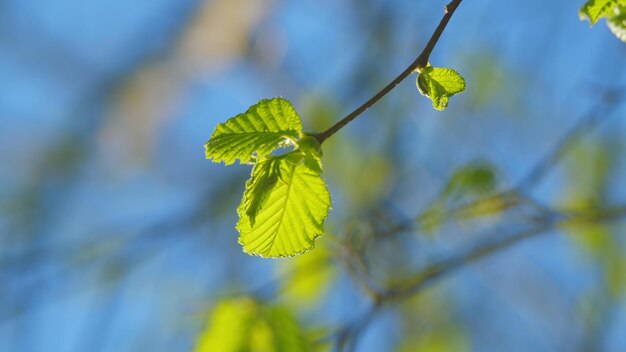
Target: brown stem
pixel 420 61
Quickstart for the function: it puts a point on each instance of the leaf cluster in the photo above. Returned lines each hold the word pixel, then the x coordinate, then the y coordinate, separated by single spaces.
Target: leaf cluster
pixel 286 200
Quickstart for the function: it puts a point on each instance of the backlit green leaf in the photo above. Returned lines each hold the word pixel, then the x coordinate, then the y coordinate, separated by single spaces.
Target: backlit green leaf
pixel 288 201
pixel 265 126
pixel 617 24
pixel 439 84
pixel 597 9
pixel 265 174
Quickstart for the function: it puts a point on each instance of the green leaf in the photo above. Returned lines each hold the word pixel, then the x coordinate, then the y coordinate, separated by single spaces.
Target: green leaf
pixel 286 200
pixel 617 24
pixel 597 9
pixel 288 209
pixel 436 340
pixel 265 174
pixel 308 277
pixel 242 324
pixel 475 178
pixel 265 126
pixel 439 84
pixel 228 326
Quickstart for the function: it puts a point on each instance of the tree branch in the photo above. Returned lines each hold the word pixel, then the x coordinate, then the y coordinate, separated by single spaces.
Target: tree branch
pixel 492 246
pixel 420 61
pixel 514 196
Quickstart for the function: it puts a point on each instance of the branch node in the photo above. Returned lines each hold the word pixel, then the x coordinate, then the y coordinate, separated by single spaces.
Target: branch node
pixel 420 62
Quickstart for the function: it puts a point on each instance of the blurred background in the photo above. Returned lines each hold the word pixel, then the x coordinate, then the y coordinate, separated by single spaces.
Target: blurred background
pixel 117 235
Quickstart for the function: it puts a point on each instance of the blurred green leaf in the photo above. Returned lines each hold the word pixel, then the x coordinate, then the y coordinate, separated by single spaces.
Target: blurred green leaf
pixel 242 325
pixel 588 178
pixel 308 277
pixel 265 126
pixel 359 193
pixel 449 340
pixel 595 239
pixel 615 273
pixel 439 84
pixel 433 218
pixel 492 206
pixel 320 110
pixel 430 324
pixel 290 207
pixel 475 178
pixel 228 327
pixel 588 172
pixel 488 79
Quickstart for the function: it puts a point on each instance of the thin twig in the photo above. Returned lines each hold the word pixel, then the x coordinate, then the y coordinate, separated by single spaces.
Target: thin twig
pixel 515 196
pixel 494 245
pixel 347 337
pixel 506 200
pixel 549 218
pixel 420 61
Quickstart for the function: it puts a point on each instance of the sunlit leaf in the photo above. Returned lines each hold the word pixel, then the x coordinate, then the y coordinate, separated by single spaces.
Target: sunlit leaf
pixel 265 126
pixel 290 214
pixel 593 10
pixel 439 84
pixel 243 325
pixel 286 200
pixel 265 174
pixel 617 24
